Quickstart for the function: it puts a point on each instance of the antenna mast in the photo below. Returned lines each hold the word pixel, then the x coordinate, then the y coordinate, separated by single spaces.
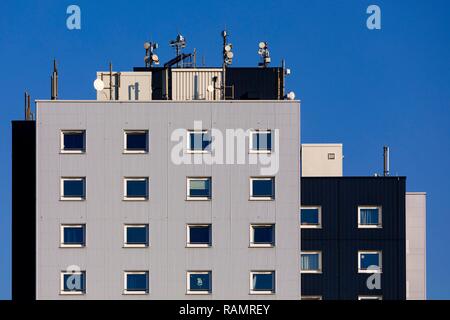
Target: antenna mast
pixel 54 82
pixel 227 60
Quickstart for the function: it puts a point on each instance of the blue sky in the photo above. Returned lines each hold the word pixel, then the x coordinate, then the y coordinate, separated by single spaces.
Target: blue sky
pixel 359 87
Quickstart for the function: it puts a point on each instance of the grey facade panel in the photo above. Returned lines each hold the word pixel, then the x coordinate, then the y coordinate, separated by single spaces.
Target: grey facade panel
pixel 167 212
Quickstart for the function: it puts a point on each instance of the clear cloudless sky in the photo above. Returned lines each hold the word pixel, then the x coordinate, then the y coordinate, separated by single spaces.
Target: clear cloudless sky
pixel 359 87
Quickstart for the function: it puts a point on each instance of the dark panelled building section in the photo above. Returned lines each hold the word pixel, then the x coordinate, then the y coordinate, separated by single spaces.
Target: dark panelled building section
pixel 23 210
pixel 339 239
pixel 255 83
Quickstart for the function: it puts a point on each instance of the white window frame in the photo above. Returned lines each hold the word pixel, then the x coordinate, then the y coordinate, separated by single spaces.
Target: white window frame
pixel 126 179
pixel 380 267
pixel 256 131
pixel 371 226
pixel 63 198
pixel 198 245
pixel 135 245
pixel 188 140
pixel 142 292
pixel 319 253
pixel 63 132
pixel 63 292
pixel 311 226
pixel 370 297
pixel 188 196
pixel 311 298
pixel 253 198
pixel 198 292
pixel 66 225
pixel 252 235
pixel 126 151
pixel 273 291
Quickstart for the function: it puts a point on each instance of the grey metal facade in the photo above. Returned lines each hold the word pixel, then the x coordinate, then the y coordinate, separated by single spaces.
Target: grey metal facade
pixel 167 211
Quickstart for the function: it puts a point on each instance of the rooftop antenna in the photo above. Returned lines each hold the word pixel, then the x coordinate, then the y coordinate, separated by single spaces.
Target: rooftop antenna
pixel 263 51
pixel 385 161
pixel 227 60
pixel 28 114
pixel 179 43
pixel 150 56
pixel 54 82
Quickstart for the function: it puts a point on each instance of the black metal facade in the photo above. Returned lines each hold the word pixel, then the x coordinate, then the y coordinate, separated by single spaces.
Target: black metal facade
pixel 23 210
pixel 340 239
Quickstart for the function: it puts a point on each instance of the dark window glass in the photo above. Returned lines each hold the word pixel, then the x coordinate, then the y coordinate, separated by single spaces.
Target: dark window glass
pixel 137 282
pixel 310 216
pixel 74 188
pixel 263 188
pixel 137 235
pixel 200 188
pixel 369 259
pixel 263 234
pixel 74 235
pixel 199 282
pixel 310 261
pixel 263 282
pixel 199 140
pixel 137 188
pixel 137 141
pixel 74 282
pixel 262 141
pixel 369 216
pixel 73 140
pixel 200 234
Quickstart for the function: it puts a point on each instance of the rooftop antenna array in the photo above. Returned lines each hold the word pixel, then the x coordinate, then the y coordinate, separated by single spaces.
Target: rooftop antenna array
pixel 263 51
pixel 54 82
pixel 227 60
pixel 179 43
pixel 150 56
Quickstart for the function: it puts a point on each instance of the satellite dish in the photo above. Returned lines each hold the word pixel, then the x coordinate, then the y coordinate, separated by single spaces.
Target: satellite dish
pixel 228 48
pixel 291 95
pixel 230 55
pixel 155 58
pixel 99 85
pixel 210 88
pixel 147 45
pixel 262 45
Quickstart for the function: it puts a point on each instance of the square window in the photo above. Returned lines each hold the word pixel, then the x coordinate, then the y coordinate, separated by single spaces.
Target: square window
pixel 136 235
pixel 135 141
pixel 369 217
pixel 311 262
pixel 331 156
pixel 73 235
pixel 198 141
pixel 73 141
pixel 311 217
pixel 136 282
pixel 262 188
pixel 369 262
pixel 135 188
pixel 199 282
pixel 260 141
pixel 262 282
pixel 73 188
pixel 198 188
pixel 262 235
pixel 73 282
pixel 199 235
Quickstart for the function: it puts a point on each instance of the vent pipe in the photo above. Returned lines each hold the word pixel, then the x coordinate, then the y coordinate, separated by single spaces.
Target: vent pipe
pixel 54 82
pixel 28 114
pixel 386 161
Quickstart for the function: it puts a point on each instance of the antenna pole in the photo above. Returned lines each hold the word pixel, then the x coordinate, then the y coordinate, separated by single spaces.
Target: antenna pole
pixel 224 65
pixel 386 161
pixel 110 81
pixel 54 82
